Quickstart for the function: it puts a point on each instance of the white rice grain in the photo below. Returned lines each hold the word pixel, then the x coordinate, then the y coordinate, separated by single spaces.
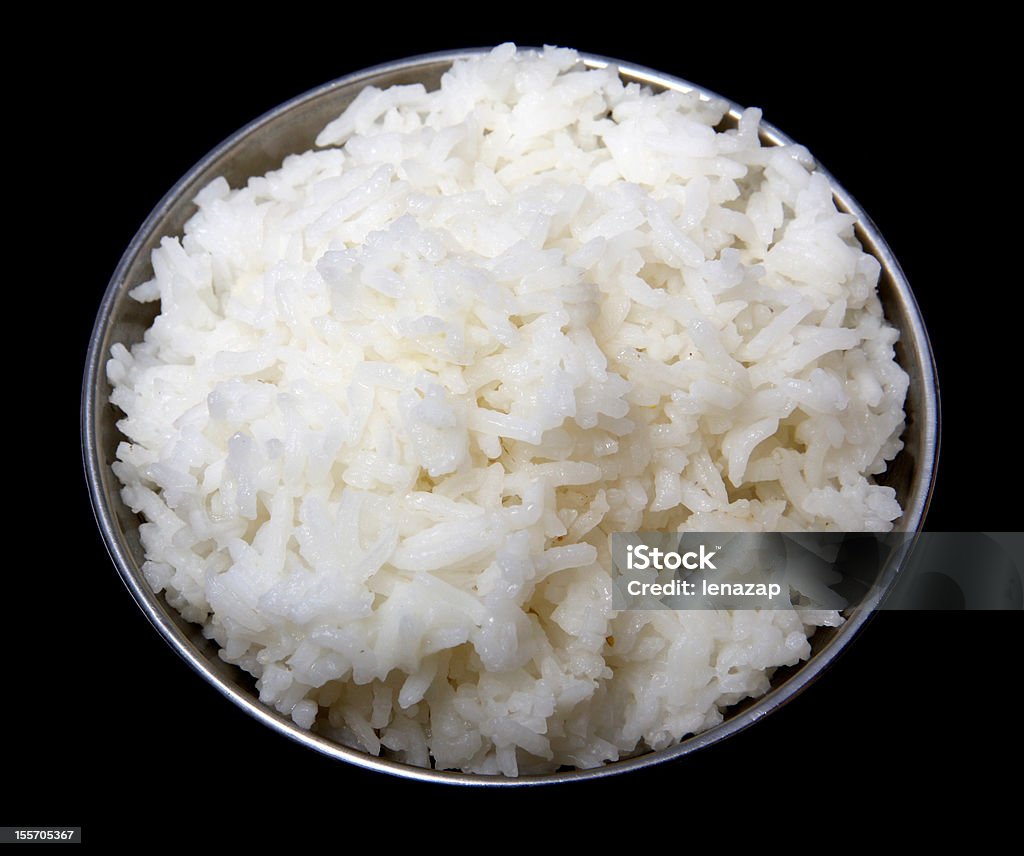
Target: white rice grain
pixel 402 389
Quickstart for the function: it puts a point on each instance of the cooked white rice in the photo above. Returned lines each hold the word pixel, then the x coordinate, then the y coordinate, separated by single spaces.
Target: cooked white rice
pixel 402 390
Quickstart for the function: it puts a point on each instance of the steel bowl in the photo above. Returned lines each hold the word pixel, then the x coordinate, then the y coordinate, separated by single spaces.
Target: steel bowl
pixel 291 128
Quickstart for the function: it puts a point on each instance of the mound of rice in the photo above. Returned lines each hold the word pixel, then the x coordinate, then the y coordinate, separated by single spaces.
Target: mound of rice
pixel 402 390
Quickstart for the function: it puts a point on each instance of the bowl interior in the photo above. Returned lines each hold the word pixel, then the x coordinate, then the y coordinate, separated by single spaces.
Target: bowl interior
pixel 292 128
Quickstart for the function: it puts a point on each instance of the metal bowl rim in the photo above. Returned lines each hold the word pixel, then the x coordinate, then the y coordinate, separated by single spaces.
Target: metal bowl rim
pixel 149 602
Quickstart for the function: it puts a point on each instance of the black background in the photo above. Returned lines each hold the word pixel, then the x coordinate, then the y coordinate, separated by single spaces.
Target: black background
pixel 115 732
